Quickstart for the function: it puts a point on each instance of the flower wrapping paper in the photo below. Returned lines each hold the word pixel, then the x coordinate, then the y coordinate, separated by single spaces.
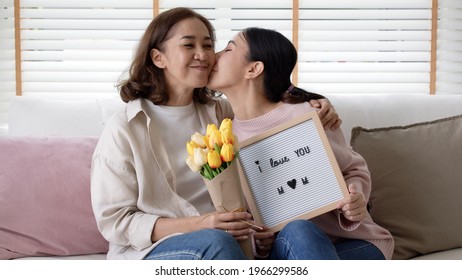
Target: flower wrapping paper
pixel 226 194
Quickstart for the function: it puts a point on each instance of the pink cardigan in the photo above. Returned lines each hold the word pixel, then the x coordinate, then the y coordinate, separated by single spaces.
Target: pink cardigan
pixel 353 167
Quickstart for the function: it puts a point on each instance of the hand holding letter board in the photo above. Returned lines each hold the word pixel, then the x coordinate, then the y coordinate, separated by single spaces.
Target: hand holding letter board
pixel 290 172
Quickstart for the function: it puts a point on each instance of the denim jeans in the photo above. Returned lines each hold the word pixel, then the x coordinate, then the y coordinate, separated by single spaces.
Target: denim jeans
pixel 208 244
pixel 303 240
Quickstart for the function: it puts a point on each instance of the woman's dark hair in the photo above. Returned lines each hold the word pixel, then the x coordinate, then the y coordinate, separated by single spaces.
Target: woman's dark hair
pixel 147 80
pixel 279 56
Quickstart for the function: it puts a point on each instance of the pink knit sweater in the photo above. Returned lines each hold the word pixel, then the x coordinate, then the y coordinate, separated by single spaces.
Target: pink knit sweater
pixel 353 167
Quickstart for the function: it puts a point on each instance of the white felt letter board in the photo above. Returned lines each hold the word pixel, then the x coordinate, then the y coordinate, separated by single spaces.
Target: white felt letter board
pixel 290 173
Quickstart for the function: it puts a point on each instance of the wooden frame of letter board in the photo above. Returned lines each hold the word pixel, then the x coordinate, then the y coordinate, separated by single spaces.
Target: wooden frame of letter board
pixel 334 165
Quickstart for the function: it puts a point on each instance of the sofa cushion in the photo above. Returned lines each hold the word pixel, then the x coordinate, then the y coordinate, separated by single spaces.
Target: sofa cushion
pixel 45 206
pixel 383 110
pixel 37 116
pixel 416 175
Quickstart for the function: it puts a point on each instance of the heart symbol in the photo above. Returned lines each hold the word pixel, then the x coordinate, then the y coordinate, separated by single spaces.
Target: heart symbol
pixel 292 183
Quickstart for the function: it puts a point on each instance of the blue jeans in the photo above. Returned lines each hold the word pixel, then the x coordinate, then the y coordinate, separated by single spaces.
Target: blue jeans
pixel 207 244
pixel 303 240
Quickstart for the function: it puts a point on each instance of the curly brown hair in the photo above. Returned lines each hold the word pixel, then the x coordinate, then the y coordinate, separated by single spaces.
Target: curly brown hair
pixel 147 80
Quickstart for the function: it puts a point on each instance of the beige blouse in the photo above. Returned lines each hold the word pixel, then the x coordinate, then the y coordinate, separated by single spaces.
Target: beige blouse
pixel 132 181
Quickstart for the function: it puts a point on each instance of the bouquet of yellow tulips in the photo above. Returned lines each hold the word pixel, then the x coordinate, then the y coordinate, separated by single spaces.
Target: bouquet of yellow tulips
pixel 213 155
pixel 213 152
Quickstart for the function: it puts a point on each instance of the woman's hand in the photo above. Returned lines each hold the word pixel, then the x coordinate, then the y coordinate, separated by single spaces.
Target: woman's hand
pixel 235 223
pixel 264 240
pixel 354 207
pixel 327 114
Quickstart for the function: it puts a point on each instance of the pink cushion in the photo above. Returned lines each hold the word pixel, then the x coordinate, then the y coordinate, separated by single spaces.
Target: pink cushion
pixel 45 206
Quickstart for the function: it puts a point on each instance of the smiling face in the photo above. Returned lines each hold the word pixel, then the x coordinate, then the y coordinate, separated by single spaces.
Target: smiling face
pixel 187 56
pixel 229 72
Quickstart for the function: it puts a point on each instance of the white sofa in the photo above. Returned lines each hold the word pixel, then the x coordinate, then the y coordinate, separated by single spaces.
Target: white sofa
pixel 34 117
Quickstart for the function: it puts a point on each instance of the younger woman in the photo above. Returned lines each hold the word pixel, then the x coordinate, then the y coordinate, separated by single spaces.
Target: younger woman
pixel 253 71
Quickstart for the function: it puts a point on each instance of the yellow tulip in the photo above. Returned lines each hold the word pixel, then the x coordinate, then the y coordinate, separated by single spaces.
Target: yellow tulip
pixel 215 138
pixel 227 136
pixel 190 162
pixel 200 156
pixel 227 152
pixel 198 139
pixel 210 128
pixel 206 141
pixel 226 123
pixel 190 146
pixel 213 159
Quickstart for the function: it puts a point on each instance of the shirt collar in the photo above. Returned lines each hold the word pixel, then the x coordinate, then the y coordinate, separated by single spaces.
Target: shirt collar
pixel 134 107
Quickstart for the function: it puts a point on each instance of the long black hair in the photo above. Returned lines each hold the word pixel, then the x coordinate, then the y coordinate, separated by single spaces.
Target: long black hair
pixel 279 56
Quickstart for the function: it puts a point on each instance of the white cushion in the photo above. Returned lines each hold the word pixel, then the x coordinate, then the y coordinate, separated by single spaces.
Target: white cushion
pixel 35 116
pixel 109 106
pixel 383 110
pixel 3 130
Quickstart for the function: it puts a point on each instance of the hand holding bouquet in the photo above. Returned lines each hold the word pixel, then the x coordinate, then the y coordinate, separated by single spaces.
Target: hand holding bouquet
pixel 213 155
